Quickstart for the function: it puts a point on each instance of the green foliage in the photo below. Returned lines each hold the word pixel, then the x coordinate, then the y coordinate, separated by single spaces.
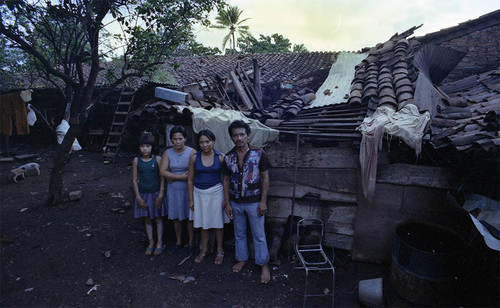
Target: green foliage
pixel 275 43
pixel 229 19
pixel 11 62
pixel 68 39
pixel 300 48
pixel 193 48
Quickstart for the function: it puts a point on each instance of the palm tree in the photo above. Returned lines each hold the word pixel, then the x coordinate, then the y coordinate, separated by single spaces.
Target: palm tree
pixel 230 19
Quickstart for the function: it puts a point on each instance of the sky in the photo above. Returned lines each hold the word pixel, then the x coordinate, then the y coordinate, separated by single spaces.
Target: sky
pixel 347 25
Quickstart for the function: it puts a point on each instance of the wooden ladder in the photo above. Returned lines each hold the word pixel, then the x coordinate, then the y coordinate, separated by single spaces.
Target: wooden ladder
pixel 118 125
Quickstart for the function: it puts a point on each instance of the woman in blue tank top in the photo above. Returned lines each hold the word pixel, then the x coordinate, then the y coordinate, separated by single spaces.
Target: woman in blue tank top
pixel 206 195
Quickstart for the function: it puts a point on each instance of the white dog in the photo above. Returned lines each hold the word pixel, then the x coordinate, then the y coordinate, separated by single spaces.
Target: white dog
pixel 22 171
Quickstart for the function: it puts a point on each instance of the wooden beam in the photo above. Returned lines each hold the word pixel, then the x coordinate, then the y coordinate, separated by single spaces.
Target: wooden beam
pixel 256 82
pixel 285 189
pixel 245 80
pixel 406 174
pixel 283 156
pixel 241 91
pixel 335 180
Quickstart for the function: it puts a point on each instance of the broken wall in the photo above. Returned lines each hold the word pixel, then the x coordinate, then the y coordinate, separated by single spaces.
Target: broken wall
pixel 325 187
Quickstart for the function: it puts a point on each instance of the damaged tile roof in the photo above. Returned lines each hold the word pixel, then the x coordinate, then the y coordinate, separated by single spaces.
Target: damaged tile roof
pixel 328 123
pixel 274 67
pixel 471 115
pixel 387 75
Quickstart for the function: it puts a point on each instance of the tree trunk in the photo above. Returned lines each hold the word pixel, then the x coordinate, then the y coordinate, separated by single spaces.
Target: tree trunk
pixel 56 186
pixel 234 44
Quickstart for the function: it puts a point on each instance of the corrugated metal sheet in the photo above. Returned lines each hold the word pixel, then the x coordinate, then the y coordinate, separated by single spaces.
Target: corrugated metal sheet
pixel 336 88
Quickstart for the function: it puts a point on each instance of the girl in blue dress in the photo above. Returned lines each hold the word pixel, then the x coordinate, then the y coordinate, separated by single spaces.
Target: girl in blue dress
pixel 149 189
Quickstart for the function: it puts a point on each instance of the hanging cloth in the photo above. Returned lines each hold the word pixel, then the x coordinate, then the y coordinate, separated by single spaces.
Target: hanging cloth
pixel 13 106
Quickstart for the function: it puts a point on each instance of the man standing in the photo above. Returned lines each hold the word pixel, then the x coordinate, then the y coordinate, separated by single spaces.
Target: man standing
pixel 246 184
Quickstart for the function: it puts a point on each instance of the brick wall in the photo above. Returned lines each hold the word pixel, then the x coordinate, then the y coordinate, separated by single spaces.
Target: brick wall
pixel 483 52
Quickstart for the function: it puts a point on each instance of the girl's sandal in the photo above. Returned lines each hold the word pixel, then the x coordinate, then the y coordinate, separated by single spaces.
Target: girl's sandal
pixel 219 258
pixel 200 257
pixel 149 251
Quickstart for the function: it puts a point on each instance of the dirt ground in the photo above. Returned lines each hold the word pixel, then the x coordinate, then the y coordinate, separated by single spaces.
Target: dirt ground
pixel 48 254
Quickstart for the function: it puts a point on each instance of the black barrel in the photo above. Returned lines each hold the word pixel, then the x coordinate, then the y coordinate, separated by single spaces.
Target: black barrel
pixel 426 260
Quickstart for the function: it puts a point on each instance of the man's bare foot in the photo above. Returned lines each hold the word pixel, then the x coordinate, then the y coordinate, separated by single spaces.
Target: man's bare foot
pixel 265 275
pixel 239 266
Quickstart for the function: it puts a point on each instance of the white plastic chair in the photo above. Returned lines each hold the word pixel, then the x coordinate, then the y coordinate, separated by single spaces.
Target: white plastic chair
pixel 309 250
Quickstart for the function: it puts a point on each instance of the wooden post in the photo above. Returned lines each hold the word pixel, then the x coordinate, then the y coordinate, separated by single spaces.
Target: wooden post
pixel 297 143
pixel 256 82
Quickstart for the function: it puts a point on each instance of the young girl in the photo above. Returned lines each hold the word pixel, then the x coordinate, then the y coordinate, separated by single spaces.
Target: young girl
pixel 149 189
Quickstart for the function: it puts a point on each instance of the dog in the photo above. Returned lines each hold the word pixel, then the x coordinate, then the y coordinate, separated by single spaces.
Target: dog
pixel 24 170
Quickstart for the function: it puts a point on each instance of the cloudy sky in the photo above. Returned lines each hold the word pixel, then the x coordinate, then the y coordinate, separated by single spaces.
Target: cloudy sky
pixel 348 25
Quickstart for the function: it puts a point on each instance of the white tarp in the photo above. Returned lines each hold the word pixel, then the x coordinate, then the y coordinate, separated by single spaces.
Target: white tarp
pixel 218 120
pixel 407 124
pixel 338 82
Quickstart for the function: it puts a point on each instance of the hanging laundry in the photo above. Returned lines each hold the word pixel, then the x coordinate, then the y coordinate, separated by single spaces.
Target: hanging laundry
pixel 12 106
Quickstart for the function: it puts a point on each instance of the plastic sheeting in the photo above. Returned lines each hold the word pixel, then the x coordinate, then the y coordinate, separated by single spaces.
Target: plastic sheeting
pixel 407 124
pixel 218 120
pixel 338 84
pixel 61 131
pixel 31 116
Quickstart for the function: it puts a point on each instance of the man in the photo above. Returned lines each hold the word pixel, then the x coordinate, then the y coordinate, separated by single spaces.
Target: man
pixel 246 184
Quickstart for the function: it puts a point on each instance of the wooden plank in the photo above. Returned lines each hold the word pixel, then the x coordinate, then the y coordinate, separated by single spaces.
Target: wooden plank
pixel 25 156
pixel 256 82
pixel 426 176
pixel 247 86
pixel 282 208
pixel 335 180
pixel 250 89
pixel 339 241
pixel 376 222
pixel 241 92
pixel 340 219
pixel 284 189
pixel 283 155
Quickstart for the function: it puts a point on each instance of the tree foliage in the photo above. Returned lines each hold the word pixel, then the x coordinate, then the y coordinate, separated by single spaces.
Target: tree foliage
pixel 68 39
pixel 275 43
pixel 229 19
pixel 193 48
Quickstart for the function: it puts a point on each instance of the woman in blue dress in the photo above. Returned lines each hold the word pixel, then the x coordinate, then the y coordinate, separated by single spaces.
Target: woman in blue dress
pixel 174 168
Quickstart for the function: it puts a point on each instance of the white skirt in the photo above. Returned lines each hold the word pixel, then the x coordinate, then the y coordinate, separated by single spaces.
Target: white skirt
pixel 208 212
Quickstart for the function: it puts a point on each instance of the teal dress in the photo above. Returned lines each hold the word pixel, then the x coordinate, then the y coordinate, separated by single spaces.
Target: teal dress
pixel 149 187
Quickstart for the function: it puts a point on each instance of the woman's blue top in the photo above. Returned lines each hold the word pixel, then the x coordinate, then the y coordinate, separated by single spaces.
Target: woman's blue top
pixel 206 177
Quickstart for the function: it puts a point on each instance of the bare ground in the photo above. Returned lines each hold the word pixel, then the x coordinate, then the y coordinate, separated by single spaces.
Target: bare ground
pixel 48 254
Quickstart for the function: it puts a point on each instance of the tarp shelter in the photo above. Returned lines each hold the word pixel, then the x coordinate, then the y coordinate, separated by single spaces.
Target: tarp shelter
pixel 218 120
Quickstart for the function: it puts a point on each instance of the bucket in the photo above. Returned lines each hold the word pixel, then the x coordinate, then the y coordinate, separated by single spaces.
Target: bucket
pixel 426 260
pixel 370 292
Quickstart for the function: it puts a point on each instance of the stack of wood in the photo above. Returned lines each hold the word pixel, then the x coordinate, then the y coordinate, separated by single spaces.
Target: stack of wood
pixel 248 90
